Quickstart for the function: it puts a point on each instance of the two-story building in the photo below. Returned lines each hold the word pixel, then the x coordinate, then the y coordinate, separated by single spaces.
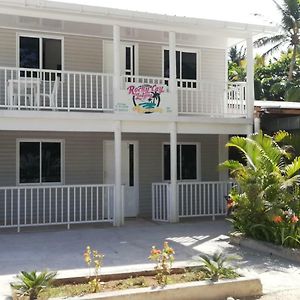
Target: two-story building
pixel 107 113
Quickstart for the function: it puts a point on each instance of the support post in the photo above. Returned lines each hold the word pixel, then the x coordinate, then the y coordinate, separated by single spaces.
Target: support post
pixel 117 61
pixel 250 77
pixel 172 71
pixel 174 213
pixel 118 205
pixel 223 155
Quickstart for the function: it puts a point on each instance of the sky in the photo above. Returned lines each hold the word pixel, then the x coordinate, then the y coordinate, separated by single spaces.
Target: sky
pixel 249 11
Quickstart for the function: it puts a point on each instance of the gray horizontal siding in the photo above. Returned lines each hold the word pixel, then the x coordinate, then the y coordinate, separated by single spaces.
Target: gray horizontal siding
pixel 150 59
pixel 7 48
pixel 84 158
pixel 83 54
pixel 212 64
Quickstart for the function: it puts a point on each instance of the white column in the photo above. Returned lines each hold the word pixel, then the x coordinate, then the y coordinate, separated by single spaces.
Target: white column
pixel 256 122
pixel 118 205
pixel 117 63
pixel 223 155
pixel 250 77
pixel 172 70
pixel 173 163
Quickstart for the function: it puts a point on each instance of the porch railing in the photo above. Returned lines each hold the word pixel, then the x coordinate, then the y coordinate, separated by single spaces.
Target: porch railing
pixel 56 205
pixel 195 199
pixel 160 202
pixel 55 90
pixel 212 98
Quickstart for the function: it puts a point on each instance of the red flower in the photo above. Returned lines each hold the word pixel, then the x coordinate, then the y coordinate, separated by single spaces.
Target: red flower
pixel 230 203
pixel 277 219
pixel 155 251
pixel 294 219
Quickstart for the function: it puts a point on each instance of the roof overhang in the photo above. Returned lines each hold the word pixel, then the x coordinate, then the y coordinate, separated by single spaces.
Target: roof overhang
pixel 52 10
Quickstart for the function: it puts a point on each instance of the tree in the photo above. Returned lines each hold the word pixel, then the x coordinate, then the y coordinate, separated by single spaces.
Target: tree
pixel 268 191
pixel 290 32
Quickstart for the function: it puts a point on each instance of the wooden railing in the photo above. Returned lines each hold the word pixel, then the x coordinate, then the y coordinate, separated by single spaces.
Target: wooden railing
pixel 56 205
pixel 55 90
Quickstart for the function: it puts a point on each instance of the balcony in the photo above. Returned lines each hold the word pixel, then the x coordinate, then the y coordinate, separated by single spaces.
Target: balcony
pixel 49 90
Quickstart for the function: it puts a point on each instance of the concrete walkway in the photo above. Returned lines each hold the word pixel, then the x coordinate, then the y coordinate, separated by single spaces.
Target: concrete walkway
pixel 58 249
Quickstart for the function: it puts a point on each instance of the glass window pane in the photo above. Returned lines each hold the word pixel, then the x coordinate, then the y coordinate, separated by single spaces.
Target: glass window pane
pixel 51 162
pixel 29 52
pixel 167 162
pixel 128 59
pixel 166 64
pixel 167 166
pixel 188 162
pixel 178 69
pixel 131 165
pixel 52 54
pixel 29 162
pixel 189 66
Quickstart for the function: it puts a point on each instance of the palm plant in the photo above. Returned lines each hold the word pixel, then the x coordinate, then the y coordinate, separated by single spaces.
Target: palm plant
pixel 290 32
pixel 269 182
pixel 32 283
pixel 215 267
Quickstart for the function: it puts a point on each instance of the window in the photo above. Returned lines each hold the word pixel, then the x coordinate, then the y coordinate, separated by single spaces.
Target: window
pixel 40 53
pixel 40 162
pixel 186 162
pixel 186 66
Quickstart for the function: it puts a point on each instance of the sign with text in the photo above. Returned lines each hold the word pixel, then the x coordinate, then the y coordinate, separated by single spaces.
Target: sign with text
pixel 141 98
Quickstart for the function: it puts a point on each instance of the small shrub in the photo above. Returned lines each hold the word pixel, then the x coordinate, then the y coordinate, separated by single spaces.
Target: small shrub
pixel 32 283
pixel 164 259
pixel 94 259
pixel 215 266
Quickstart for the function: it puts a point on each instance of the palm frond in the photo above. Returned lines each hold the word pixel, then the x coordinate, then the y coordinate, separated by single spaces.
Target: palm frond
pixel 264 41
pixel 293 168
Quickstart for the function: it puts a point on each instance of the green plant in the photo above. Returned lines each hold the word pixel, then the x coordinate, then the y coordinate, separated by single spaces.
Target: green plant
pixel 268 188
pixel 94 259
pixel 289 35
pixel 164 259
pixel 32 283
pixel 215 267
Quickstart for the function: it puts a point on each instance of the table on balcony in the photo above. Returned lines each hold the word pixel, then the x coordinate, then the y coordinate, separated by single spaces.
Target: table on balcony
pixel 29 88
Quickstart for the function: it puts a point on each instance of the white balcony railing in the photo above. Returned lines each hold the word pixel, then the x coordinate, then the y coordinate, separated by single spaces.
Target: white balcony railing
pixel 211 98
pixel 55 90
pixel 33 89
pixel 195 199
pixel 56 205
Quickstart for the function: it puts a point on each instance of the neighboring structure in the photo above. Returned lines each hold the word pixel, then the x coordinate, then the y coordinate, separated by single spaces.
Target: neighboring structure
pixel 108 113
pixel 271 116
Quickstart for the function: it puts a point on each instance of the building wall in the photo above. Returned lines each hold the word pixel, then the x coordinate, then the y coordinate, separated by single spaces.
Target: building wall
pixel 84 158
pixel 86 54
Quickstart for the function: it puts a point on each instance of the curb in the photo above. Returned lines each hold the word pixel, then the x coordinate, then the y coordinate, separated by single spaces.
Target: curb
pixel 290 254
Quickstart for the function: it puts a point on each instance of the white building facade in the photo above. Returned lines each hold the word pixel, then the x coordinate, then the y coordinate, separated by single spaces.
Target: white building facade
pixel 107 114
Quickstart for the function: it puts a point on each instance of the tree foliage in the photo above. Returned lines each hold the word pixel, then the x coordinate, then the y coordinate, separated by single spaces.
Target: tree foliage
pixel 267 203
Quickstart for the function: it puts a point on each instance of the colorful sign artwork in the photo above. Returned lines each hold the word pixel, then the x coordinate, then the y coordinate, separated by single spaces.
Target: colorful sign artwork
pixel 146 98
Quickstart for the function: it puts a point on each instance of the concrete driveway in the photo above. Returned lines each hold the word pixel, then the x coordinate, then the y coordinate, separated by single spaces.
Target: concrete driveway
pixel 59 249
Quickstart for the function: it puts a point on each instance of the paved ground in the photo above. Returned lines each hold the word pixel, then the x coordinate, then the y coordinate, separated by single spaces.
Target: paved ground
pixel 58 249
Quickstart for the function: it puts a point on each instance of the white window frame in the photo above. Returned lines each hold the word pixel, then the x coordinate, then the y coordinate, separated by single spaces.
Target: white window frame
pixel 62 161
pixel 40 37
pixel 187 50
pixel 198 162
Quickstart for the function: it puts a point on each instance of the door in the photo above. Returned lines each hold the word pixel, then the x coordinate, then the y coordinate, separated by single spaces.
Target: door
pixel 128 59
pixel 129 173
